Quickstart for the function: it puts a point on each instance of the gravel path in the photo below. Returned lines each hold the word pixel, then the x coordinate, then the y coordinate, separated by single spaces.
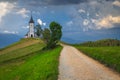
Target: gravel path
pixel 74 65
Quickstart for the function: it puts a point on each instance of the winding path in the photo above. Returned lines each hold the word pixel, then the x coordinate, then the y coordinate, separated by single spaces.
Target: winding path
pixel 74 65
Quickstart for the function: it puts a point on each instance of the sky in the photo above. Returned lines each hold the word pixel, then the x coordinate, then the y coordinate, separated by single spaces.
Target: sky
pixel 81 20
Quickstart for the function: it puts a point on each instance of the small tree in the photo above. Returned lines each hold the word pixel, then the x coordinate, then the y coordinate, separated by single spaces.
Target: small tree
pixel 38 30
pixel 56 34
pixel 46 35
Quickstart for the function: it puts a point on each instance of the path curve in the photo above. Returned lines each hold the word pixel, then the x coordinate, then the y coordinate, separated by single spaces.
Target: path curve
pixel 74 65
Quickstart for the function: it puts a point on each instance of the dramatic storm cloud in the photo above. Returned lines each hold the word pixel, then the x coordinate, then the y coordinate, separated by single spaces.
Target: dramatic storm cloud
pixel 61 2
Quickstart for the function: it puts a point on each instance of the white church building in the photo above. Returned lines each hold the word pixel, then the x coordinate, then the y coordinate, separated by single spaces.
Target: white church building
pixel 31 32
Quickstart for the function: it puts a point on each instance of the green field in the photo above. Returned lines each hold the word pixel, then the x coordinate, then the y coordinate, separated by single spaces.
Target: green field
pixel 29 62
pixel 110 56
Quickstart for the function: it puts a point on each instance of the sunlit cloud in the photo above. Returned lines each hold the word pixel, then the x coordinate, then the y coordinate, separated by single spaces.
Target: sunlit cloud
pixel 5 8
pixel 116 3
pixel 108 22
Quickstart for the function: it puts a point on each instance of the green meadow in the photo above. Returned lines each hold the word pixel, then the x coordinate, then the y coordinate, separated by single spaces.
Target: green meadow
pixel 25 60
pixel 109 56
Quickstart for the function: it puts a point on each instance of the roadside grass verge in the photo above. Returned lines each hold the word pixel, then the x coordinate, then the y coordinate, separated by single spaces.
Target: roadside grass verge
pixel 40 65
pixel 109 56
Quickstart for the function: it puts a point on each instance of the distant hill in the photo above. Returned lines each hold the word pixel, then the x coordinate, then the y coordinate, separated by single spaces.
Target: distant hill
pixel 103 42
pixel 7 39
pixel 69 40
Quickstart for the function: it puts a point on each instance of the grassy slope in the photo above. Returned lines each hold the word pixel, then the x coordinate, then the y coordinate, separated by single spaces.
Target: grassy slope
pixel 22 43
pixel 110 56
pixel 21 48
pixel 40 65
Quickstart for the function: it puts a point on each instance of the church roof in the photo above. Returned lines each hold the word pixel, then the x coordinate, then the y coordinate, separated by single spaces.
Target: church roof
pixel 31 20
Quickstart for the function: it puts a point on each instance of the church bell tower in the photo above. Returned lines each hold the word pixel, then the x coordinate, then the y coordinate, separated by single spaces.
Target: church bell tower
pixel 31 28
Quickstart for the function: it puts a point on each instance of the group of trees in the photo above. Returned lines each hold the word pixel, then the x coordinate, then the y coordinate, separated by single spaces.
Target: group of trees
pixel 50 35
pixel 105 42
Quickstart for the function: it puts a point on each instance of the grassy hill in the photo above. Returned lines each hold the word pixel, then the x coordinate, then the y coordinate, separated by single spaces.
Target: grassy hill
pixel 105 51
pixel 25 60
pixel 21 48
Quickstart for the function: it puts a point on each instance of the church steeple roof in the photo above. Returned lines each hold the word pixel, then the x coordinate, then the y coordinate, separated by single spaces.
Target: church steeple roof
pixel 31 20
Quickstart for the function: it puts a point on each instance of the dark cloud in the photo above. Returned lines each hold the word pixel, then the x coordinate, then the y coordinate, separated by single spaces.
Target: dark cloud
pixel 110 0
pixel 51 2
pixel 64 2
pixel 48 2
pixel 8 0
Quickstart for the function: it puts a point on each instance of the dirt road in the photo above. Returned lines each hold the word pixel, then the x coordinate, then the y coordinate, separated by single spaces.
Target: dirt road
pixel 74 65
